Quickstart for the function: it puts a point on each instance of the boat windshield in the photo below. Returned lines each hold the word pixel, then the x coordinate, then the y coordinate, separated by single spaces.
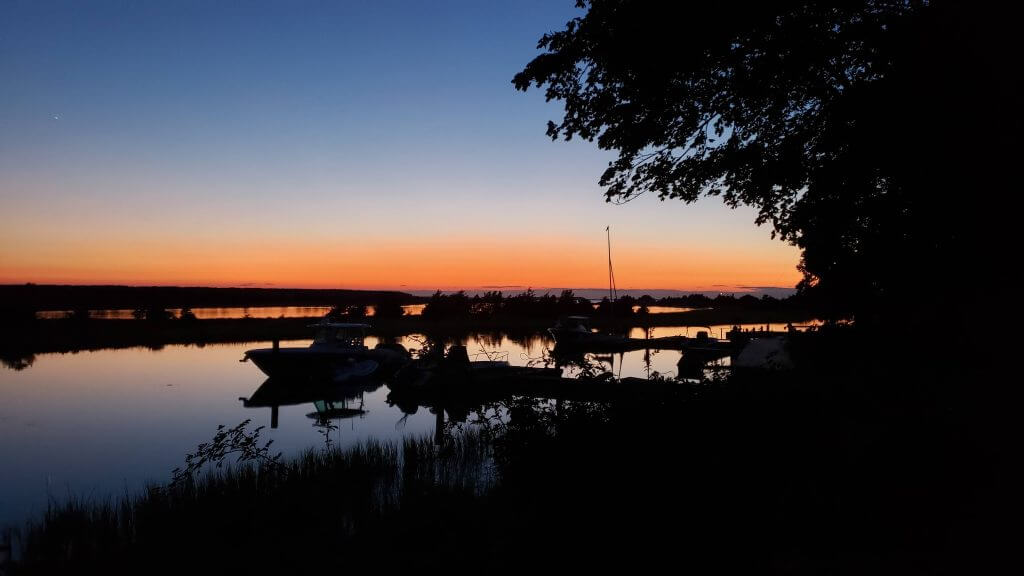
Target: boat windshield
pixel 344 337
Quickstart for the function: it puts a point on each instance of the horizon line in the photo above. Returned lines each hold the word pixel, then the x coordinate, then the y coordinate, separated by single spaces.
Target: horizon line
pixel 403 288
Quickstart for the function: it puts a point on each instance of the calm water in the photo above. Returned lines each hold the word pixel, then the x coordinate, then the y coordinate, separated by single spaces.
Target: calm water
pixel 225 313
pixel 274 312
pixel 97 423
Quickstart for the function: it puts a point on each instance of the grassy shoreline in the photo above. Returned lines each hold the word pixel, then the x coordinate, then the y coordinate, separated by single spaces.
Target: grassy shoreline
pixel 820 471
pixel 320 499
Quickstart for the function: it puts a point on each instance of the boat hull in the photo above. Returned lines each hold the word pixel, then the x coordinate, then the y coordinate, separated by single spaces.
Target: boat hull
pixel 328 365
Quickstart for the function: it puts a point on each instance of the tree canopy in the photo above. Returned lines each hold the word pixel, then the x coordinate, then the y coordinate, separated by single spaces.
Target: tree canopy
pixel 842 123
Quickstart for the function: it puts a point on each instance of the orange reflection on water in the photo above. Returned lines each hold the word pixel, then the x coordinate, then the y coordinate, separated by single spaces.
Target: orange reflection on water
pixel 226 313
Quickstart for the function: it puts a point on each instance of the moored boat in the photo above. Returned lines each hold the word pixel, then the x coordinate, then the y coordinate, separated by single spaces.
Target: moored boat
pixel 337 354
pixel 575 331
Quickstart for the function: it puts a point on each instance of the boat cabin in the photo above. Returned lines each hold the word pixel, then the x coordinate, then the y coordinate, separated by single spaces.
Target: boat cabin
pixel 339 334
pixel 580 324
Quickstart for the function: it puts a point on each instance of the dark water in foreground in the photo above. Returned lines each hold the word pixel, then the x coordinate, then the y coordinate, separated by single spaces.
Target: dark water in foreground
pixel 94 424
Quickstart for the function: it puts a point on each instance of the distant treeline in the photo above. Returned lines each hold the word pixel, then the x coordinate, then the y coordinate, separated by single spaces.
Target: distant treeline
pixel 723 300
pixel 29 298
pixel 19 304
pixel 528 304
pixel 382 309
pixel 496 305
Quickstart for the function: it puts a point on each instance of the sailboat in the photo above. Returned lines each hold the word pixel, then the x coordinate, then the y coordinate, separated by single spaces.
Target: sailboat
pixel 575 332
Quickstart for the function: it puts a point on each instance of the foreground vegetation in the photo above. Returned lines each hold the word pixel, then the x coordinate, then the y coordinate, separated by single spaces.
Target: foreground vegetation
pixel 859 470
pixel 265 514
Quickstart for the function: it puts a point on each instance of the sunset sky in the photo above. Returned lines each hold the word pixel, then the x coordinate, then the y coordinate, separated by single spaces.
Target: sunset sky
pixel 321 144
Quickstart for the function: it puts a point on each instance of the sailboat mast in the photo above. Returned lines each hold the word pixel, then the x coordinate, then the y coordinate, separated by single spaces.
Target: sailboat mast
pixel 611 272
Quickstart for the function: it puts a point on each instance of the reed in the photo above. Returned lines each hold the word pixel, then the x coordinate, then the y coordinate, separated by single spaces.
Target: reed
pixel 821 471
pixel 236 514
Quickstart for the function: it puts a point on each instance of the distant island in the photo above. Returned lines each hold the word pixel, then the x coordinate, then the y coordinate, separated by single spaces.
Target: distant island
pixel 40 297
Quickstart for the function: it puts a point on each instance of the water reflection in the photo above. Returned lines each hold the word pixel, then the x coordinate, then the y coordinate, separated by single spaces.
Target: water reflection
pixel 715 330
pixel 224 313
pixel 330 400
pixel 276 312
pixel 93 423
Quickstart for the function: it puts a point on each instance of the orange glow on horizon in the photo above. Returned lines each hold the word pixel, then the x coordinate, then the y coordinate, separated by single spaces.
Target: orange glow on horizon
pixel 468 263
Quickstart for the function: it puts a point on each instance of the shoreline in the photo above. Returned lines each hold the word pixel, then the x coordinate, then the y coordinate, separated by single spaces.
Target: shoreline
pixel 20 340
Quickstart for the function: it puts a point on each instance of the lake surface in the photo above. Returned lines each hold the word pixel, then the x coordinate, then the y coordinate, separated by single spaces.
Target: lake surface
pixel 227 313
pixel 274 312
pixel 95 424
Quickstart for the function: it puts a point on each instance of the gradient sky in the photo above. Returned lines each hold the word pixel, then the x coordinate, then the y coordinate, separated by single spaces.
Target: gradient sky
pixel 321 144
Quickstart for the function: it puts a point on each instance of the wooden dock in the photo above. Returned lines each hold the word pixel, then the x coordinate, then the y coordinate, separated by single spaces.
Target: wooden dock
pixel 442 391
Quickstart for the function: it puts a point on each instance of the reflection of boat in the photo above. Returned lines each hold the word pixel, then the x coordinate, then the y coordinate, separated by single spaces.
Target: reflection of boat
pixel 334 410
pixel 278 392
pixel 327 397
pixel 337 354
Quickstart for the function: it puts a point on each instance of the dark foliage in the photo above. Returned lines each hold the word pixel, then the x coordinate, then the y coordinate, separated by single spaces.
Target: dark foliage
pixel 388 308
pixel 447 306
pixel 353 312
pixel 815 472
pixel 236 441
pixel 495 305
pixel 21 297
pixel 855 128
pixel 152 313
pixel 325 509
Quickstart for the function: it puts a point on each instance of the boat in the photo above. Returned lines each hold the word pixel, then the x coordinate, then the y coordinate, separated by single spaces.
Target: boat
pixel 575 332
pixel 337 355
pixel 455 369
pixel 573 335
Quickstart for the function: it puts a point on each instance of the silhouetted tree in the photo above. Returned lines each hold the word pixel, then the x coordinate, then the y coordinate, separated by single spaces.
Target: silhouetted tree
pixel 152 313
pixel 447 306
pixel 350 312
pixel 626 303
pixel 388 309
pixel 488 305
pixel 570 304
pixel 522 304
pixel 79 314
pixel 852 128
pixel 15 315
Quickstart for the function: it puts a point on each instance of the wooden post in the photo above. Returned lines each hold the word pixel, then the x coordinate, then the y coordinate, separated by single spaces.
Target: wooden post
pixel 439 426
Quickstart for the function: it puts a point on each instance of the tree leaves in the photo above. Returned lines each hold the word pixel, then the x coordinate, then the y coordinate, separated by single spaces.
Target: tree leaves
pixel 236 441
pixel 788 107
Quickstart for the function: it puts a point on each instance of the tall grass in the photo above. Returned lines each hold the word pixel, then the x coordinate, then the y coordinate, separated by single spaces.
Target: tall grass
pixel 833 470
pixel 246 515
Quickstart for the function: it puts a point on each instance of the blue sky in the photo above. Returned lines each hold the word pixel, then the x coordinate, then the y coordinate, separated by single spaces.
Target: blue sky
pixel 178 128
